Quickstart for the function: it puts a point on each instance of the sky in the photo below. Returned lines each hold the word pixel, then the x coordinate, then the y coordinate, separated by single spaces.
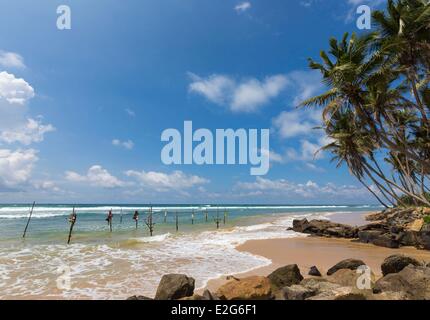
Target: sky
pixel 82 110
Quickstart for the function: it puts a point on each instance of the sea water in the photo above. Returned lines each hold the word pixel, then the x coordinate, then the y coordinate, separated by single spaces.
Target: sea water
pixel 105 265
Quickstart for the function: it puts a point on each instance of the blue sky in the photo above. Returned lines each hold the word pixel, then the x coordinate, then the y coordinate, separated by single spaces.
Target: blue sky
pixel 82 110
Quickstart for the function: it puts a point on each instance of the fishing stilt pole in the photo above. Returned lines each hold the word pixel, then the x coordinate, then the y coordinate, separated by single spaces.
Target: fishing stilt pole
pixel 72 220
pixel 120 217
pixel 177 222
pixel 192 217
pixel 206 217
pixel 165 216
pixel 29 218
pixel 217 220
pixel 150 223
pixel 225 216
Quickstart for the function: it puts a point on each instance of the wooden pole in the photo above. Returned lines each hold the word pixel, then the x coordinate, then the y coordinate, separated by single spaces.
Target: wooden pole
pixel 165 216
pixel 150 223
pixel 206 215
pixel 177 222
pixel 72 221
pixel 192 217
pixel 29 217
pixel 120 218
pixel 225 215
pixel 110 221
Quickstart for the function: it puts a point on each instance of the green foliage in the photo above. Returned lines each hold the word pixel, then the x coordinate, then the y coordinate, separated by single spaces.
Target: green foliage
pixel 376 109
pixel 427 219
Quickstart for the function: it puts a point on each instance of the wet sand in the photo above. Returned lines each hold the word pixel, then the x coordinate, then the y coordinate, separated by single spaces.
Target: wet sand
pixel 321 252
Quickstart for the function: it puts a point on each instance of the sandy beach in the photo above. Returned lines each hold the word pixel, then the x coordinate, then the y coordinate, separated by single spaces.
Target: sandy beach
pixel 321 252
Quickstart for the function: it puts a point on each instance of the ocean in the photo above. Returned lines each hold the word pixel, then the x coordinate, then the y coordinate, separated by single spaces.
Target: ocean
pixel 99 264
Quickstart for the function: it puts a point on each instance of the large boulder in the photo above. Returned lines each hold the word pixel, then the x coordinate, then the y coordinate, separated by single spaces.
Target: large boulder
pixel 313 271
pixel 174 287
pixel 209 295
pixel 413 281
pixel 251 288
pixel 351 278
pixel 319 285
pixel 397 263
pixel 351 264
pixel 387 241
pixel 297 292
pixel 285 276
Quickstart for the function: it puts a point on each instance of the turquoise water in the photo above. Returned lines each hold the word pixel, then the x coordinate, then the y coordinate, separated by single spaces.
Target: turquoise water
pixel 105 265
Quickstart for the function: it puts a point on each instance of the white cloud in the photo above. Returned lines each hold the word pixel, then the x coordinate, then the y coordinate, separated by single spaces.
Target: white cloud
pixel 245 95
pixel 14 90
pixel 27 133
pixel 283 188
pixel 289 124
pixel 16 166
pixel 163 182
pixel 96 176
pixel 125 144
pixel 11 60
pixel 243 6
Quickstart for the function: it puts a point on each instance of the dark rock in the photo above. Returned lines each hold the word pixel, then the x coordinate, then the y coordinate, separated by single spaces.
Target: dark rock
pixel 175 286
pixel 209 295
pixel 285 276
pixel 413 281
pixel 341 293
pixel 351 264
pixel 324 228
pixel 397 263
pixel 423 240
pixel 314 272
pixel 297 292
pixel 386 240
pixel 368 236
pixel 408 238
pixel 379 226
pixel 319 285
pixel 139 298
pixel 194 297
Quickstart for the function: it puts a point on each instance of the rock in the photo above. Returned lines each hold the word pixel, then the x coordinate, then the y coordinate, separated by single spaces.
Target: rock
pixel 426 211
pixel 423 240
pixel 413 281
pixel 378 216
pixel 139 298
pixel 378 226
pixel 408 238
pixel 351 264
pixel 194 297
pixel 209 295
pixel 251 288
pixel 285 276
pixel 175 286
pixel 416 225
pixel 297 292
pixel 386 240
pixel 345 277
pixel 369 235
pixel 324 228
pixel 397 263
pixel 390 295
pixel 314 272
pixel 341 293
pixel 319 285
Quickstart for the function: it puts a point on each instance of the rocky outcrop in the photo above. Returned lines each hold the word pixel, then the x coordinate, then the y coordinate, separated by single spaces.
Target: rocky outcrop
pixel 207 295
pixel 396 263
pixel 324 228
pixel 251 288
pixel 351 264
pixel 285 276
pixel 174 287
pixel 313 271
pixel 413 281
pixel 391 228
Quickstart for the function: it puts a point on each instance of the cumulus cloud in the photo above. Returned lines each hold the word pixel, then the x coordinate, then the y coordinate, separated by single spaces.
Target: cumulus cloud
pixel 163 182
pixel 15 91
pixel 27 133
pixel 243 6
pixel 96 176
pixel 11 60
pixel 310 189
pixel 244 95
pixel 16 167
pixel 289 124
pixel 125 144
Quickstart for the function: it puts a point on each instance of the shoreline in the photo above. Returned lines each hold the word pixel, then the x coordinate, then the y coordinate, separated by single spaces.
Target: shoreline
pixel 308 251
